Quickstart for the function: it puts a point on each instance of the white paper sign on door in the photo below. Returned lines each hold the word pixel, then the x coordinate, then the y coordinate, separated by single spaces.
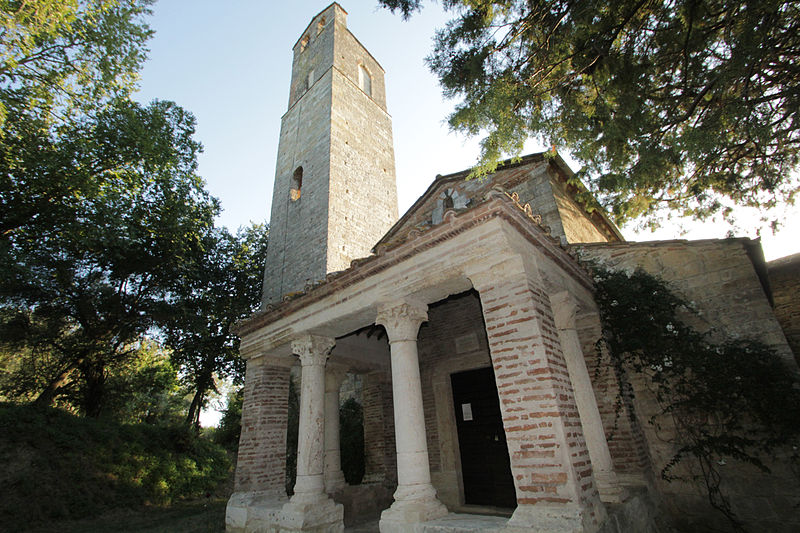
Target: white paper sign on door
pixel 466 410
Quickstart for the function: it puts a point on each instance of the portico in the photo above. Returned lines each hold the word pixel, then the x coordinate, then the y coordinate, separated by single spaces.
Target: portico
pixel 522 276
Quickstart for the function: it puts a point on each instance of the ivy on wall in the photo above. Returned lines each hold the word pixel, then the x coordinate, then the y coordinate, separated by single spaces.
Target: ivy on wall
pixel 716 402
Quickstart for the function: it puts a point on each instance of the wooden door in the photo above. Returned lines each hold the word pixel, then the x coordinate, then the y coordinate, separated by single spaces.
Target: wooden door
pixel 485 466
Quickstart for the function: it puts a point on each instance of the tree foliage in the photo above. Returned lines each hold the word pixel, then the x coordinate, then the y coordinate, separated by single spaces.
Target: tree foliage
pixel 64 58
pixel 222 284
pixel 717 401
pixel 99 219
pixel 351 441
pixel 687 105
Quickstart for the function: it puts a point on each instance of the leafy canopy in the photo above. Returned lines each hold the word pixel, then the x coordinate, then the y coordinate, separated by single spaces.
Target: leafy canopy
pixel 61 58
pixel 685 105
pixel 99 219
pixel 220 285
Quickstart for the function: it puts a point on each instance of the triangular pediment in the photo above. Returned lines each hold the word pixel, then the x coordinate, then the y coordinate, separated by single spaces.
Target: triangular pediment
pixel 536 179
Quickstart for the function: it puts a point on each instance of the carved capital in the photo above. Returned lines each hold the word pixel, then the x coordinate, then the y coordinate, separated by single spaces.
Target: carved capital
pixel 402 319
pixel 312 349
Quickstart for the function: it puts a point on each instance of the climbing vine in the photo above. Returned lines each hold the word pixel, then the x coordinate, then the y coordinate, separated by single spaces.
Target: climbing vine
pixel 723 402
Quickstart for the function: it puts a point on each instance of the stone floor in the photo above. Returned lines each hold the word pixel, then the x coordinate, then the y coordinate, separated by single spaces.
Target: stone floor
pixel 369 527
pixel 451 523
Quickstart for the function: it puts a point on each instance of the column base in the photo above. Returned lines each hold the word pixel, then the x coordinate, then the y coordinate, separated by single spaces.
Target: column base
pixel 609 488
pixel 404 513
pixel 554 519
pixel 253 511
pixel 334 482
pixel 316 513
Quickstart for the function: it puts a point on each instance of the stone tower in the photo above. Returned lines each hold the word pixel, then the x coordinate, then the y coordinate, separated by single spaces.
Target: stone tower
pixel 335 193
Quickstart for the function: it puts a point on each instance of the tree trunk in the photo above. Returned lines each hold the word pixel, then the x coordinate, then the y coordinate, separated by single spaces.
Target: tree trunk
pixel 49 394
pixel 205 381
pixel 193 417
pixel 94 395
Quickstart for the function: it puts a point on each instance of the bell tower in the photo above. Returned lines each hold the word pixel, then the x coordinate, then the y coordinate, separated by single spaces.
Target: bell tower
pixel 335 193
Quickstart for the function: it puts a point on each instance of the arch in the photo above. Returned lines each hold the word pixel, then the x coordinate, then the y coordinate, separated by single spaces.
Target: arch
pixel 364 80
pixel 310 79
pixel 297 184
pixel 320 25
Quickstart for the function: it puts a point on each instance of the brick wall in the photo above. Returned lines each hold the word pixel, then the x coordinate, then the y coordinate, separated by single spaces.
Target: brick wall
pixel 379 440
pixel 548 456
pixel 623 432
pixel 261 464
pixel 454 318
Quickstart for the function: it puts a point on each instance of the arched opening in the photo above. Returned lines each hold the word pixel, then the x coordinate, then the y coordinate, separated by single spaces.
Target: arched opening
pixel 364 80
pixel 320 25
pixel 303 43
pixel 310 79
pixel 297 184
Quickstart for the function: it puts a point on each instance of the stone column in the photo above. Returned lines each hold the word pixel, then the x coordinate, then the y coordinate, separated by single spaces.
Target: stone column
pixel 549 459
pixel 260 486
pixel 415 498
pixel 564 309
pixel 310 509
pixel 332 471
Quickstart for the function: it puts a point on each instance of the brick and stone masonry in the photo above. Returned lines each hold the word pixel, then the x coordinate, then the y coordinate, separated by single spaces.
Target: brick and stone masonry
pixel 261 466
pixel 335 193
pixel 549 458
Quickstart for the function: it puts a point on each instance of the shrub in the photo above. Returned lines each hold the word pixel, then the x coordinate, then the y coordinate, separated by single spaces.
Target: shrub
pixel 56 466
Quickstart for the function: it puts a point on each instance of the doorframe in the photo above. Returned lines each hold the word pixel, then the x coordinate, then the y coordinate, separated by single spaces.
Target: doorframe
pixel 449 481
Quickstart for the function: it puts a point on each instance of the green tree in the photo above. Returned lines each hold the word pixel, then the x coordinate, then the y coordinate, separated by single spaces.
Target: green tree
pixel 687 105
pixel 230 425
pixel 351 440
pixel 62 58
pixel 99 217
pixel 222 285
pixel 145 389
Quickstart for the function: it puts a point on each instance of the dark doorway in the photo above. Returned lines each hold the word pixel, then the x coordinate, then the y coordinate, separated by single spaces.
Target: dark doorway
pixel 485 467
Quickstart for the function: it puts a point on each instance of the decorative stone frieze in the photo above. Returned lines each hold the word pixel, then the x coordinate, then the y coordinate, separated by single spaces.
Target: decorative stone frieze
pixel 402 320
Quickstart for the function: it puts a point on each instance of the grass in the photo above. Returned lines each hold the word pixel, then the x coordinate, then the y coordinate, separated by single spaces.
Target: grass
pixel 56 468
pixel 197 516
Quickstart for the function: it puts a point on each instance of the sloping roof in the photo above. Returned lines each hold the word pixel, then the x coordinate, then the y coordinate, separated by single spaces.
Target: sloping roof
pixel 508 170
pixel 497 203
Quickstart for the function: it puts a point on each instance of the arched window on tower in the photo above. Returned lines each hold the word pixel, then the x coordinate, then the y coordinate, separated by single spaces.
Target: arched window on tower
pixel 303 43
pixel 310 79
pixel 364 80
pixel 297 184
pixel 320 25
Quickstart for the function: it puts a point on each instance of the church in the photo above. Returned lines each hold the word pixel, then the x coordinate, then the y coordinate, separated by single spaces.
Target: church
pixel 471 323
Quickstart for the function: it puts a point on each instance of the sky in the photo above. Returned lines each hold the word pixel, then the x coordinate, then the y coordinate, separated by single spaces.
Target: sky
pixel 230 64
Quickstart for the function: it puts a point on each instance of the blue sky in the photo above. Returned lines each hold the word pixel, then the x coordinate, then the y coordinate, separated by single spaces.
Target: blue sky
pixel 229 63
